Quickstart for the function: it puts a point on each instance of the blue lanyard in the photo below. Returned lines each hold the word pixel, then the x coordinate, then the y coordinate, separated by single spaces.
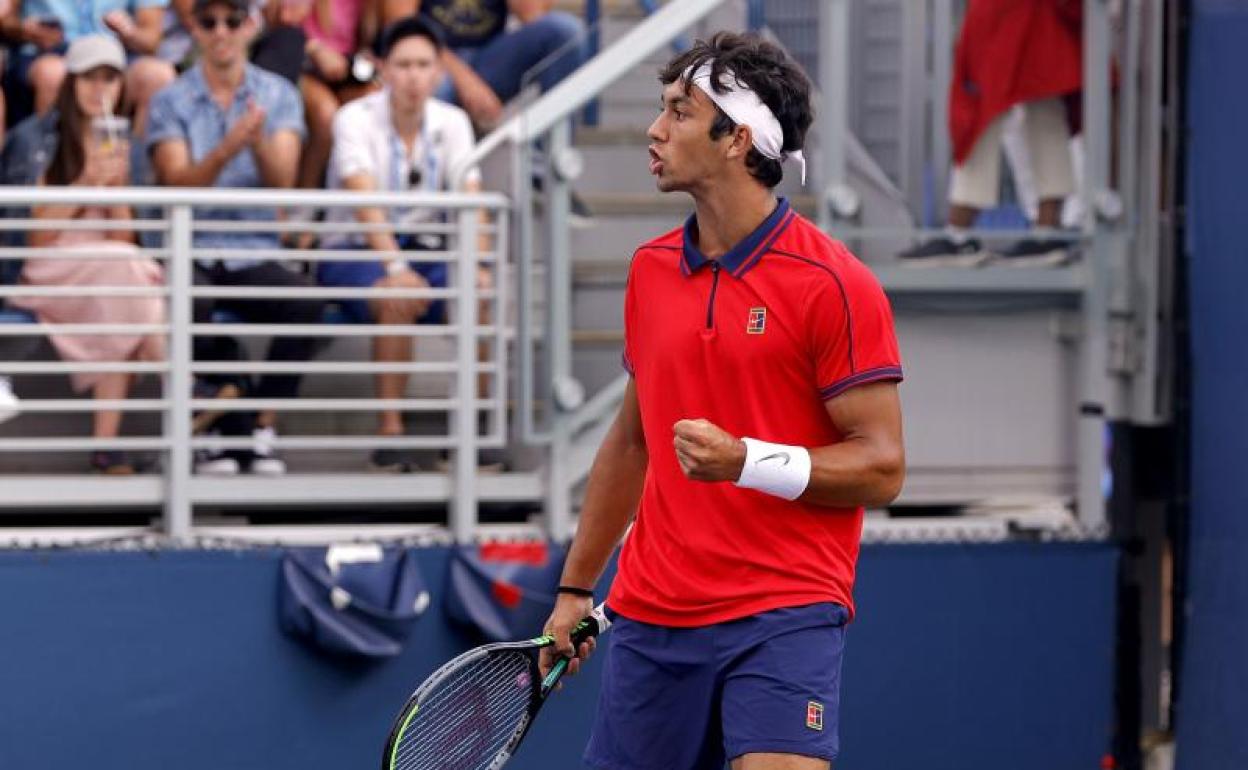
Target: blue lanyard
pixel 400 169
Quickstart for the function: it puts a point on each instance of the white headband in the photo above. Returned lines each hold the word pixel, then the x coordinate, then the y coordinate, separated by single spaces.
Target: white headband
pixel 745 108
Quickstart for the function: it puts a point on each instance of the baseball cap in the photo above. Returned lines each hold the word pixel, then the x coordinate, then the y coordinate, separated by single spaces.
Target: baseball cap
pixel 236 5
pixel 91 51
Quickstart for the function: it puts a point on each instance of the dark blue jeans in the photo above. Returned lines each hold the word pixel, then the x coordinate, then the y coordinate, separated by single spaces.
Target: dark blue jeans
pixel 503 61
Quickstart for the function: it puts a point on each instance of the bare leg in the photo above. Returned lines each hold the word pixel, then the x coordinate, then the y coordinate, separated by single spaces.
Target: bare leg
pixel 1050 213
pixel 962 217
pixel 395 349
pixel 320 104
pixel 779 762
pixel 112 387
pixel 46 74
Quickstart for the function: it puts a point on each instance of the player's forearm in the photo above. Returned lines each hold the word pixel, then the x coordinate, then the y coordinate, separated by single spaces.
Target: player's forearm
pixel 855 472
pixel 611 497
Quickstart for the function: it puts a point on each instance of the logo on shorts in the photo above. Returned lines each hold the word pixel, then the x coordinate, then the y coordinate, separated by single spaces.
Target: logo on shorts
pixel 814 715
pixel 756 323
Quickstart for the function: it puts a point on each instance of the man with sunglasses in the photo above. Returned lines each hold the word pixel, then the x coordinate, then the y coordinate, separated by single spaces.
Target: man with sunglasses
pixel 226 123
pixel 400 138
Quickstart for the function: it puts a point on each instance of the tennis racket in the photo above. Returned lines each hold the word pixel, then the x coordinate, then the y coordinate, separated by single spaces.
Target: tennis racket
pixel 472 713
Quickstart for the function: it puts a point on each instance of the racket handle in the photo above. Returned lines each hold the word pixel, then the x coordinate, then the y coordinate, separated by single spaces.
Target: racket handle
pixel 595 623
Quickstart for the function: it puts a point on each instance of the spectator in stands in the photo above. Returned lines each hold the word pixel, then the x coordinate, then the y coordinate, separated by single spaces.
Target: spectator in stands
pixel 227 123
pixel 398 139
pixel 1027 53
pixel 328 73
pixel 92 148
pixel 46 27
pixel 486 63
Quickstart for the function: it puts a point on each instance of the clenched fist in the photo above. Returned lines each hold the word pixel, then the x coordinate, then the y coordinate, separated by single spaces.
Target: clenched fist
pixel 707 452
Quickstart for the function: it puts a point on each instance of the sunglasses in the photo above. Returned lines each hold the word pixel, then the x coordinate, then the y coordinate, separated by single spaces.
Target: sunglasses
pixel 209 23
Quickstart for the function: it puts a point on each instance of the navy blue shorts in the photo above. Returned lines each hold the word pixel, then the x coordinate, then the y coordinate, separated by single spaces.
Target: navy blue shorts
pixel 693 698
pixel 362 275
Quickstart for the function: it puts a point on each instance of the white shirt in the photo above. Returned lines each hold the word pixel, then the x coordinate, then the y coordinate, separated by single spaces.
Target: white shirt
pixel 365 143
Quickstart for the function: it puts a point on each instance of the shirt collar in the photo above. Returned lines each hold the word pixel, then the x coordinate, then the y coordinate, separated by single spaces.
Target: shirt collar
pixel 199 85
pixel 746 253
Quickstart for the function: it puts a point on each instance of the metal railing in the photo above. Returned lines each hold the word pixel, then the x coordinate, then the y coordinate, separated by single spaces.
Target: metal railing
pixel 170 236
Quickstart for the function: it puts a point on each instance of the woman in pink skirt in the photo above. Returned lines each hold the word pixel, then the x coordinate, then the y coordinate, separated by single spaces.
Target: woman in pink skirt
pixel 93 150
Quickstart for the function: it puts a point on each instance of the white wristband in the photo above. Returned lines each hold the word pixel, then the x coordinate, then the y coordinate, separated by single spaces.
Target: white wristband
pixel 777 469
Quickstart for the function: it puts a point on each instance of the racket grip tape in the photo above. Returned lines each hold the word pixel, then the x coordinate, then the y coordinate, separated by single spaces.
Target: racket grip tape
pixel 594 624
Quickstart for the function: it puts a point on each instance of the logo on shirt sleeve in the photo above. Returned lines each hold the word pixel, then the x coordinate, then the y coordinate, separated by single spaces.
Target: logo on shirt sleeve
pixel 756 323
pixel 814 715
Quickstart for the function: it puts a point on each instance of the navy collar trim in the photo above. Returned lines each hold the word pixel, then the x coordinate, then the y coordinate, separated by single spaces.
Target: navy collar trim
pixel 744 255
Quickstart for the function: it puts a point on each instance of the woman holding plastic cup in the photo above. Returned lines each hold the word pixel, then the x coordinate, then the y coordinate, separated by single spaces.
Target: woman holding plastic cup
pixel 93 149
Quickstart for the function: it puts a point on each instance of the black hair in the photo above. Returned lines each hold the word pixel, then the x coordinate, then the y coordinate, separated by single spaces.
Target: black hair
pixel 409 26
pixel 766 70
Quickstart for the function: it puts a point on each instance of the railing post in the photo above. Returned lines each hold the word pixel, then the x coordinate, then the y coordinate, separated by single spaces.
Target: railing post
pixel 1095 392
pixel 558 341
pixel 833 114
pixel 177 418
pixel 942 79
pixel 464 456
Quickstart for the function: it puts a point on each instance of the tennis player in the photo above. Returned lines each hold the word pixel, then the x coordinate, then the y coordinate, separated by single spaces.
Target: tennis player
pixel 761 416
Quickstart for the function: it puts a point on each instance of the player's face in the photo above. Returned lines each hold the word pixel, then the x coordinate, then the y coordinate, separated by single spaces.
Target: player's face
pixel 682 154
pixel 411 71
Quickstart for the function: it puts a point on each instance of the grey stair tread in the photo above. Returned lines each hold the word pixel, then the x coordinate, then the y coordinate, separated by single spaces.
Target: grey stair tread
pixel 615 9
pixel 612 136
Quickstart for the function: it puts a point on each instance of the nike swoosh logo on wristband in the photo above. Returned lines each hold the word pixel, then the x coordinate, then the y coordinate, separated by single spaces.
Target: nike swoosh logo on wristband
pixel 777 456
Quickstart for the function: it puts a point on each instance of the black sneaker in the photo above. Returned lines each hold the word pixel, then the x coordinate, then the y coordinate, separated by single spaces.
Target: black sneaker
pixel 111 463
pixel 579 214
pixel 945 252
pixel 392 461
pixel 1036 252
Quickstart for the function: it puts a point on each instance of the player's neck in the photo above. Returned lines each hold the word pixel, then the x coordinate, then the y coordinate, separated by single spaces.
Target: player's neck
pixel 730 213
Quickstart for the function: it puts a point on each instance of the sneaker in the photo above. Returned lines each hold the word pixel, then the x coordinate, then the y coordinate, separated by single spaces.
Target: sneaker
pixel 111 463
pixel 580 216
pixel 8 401
pixel 945 252
pixel 264 461
pixel 207 464
pixel 392 461
pixel 1036 252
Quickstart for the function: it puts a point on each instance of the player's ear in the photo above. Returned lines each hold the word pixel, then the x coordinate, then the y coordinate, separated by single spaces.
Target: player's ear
pixel 742 140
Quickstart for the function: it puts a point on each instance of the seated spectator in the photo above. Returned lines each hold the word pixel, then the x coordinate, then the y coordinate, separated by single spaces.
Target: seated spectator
pixel 398 139
pixel 227 123
pixel 46 27
pixel 485 63
pixel 1025 53
pixel 329 73
pixel 91 150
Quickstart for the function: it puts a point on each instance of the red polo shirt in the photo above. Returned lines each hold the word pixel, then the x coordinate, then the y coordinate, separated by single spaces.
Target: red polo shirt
pixel 755 342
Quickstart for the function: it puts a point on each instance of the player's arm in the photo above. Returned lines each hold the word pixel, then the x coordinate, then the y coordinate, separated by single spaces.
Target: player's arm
pixel 611 497
pixel 866 467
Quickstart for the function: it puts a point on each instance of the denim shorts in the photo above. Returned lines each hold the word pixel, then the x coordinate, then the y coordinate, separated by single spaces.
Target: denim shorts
pixel 364 274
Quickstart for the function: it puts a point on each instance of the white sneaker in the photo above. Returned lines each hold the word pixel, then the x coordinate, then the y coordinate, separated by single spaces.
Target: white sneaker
pixel 8 401
pixel 264 462
pixel 216 465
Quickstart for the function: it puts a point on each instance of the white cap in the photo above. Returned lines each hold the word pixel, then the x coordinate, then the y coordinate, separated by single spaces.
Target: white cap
pixel 91 51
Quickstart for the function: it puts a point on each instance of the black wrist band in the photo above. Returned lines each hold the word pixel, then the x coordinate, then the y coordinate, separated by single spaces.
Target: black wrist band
pixel 576 591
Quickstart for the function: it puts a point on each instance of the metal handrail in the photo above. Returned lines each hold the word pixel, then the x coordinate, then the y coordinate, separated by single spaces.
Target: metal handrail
pixel 179 224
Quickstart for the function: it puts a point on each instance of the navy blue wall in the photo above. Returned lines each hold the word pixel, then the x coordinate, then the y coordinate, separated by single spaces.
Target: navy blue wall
pixel 962 657
pixel 1212 711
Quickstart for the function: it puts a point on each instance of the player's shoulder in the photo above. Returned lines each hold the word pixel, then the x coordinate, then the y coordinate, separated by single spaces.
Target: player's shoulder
pixel 811 255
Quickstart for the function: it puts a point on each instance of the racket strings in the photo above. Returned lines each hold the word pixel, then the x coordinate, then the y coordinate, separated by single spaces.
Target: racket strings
pixel 469 716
